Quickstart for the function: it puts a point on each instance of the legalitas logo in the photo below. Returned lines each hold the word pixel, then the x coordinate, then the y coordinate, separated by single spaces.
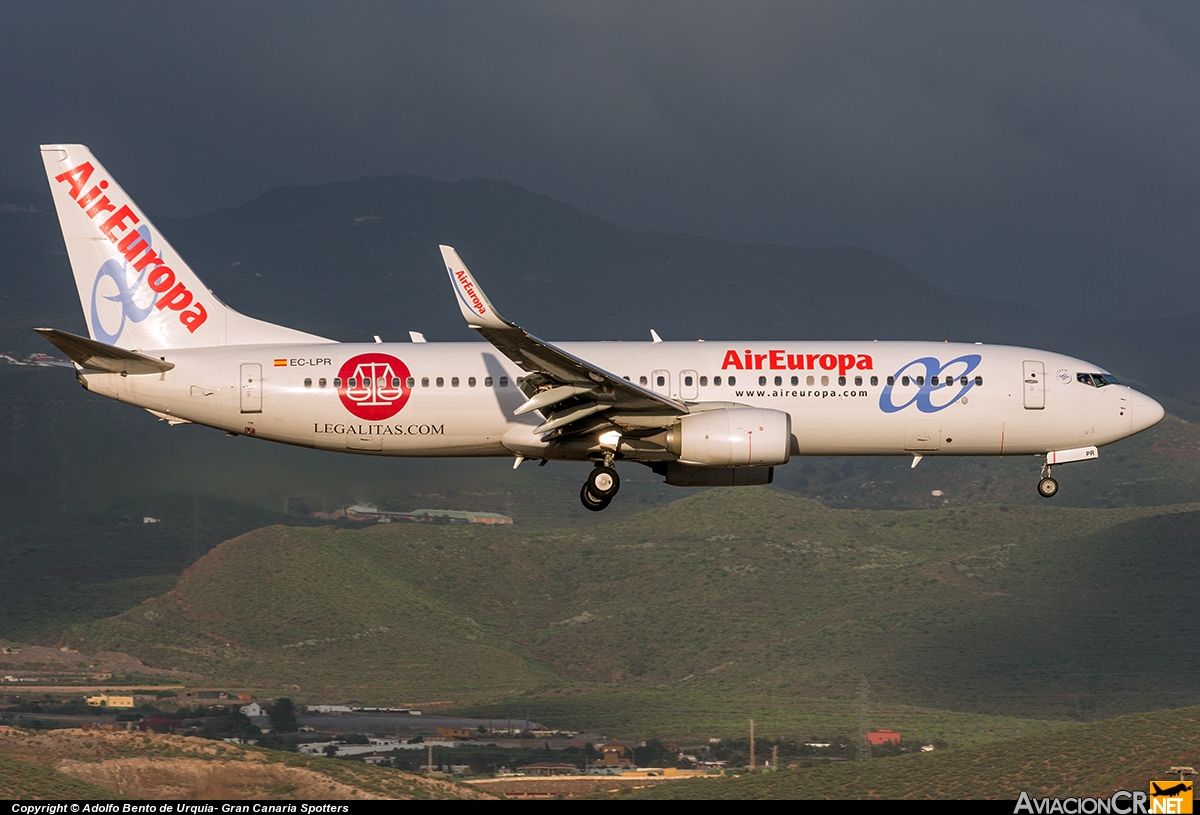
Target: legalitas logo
pixel 374 386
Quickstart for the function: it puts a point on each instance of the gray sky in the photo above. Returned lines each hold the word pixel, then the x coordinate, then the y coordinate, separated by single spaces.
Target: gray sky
pixel 1047 152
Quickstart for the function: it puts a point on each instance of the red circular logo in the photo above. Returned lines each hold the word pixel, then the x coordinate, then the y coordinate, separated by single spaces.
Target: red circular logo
pixel 374 386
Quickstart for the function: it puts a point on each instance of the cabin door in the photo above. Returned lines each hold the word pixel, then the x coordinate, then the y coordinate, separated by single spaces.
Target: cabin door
pixel 251 387
pixel 688 387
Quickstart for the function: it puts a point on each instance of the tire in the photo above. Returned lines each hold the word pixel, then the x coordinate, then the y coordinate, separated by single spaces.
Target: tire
pixel 591 502
pixel 1047 488
pixel 603 482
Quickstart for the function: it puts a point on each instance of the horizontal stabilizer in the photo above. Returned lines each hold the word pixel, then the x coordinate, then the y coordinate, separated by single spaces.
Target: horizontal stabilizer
pixel 96 356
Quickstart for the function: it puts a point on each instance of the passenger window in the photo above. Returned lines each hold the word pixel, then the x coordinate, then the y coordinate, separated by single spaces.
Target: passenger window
pixel 687 380
pixel 441 383
pixel 717 381
pixel 352 382
pixel 470 382
pixel 762 380
pixel 322 382
pixel 337 381
pixel 732 381
pixel 424 382
pixel 858 380
pixel 795 380
pixel 410 382
pixel 841 380
pixel 704 381
pixel 891 380
pixel 487 381
pixel 662 380
pixel 395 381
pixel 979 380
pixel 504 381
pixel 921 380
pixel 904 380
pixel 454 382
pixel 824 381
pixel 641 380
pixel 875 380
pixel 307 383
pixel 779 380
pixel 933 381
pixel 963 381
pixel 627 379
pixel 811 381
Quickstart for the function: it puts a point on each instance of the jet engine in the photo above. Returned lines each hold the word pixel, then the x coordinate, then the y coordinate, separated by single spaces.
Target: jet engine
pixel 732 437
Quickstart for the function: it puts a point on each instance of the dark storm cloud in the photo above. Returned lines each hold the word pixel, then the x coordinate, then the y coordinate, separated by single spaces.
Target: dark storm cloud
pixel 1045 152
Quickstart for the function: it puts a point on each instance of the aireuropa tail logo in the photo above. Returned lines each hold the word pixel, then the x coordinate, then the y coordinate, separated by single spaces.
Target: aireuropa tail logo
pixel 1164 798
pixel 134 246
pixel 124 289
pixel 374 386
pixel 929 384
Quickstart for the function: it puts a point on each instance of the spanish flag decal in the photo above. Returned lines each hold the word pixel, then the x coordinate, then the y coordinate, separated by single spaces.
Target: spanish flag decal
pixel 281 363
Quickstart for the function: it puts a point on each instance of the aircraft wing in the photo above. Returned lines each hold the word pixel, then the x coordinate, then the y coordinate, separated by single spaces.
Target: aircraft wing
pixel 574 395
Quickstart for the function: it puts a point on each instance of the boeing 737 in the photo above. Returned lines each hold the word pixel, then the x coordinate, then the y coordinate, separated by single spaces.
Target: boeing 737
pixel 700 414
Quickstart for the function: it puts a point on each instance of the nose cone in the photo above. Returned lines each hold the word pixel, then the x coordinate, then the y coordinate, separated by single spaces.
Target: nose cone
pixel 1146 412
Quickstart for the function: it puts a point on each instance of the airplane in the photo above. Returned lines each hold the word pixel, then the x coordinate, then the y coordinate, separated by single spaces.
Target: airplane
pixel 699 414
pixel 1172 791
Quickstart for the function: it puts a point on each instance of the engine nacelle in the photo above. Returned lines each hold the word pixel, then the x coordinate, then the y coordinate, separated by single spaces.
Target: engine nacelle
pixel 732 437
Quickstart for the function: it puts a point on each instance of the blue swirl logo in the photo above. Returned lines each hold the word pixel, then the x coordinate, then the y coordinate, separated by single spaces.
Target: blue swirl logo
pixel 954 381
pixel 118 271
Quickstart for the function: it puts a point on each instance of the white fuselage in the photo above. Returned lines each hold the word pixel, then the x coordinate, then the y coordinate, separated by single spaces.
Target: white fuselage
pixel 457 399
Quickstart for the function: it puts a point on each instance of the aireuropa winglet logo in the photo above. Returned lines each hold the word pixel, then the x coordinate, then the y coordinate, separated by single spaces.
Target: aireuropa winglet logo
pixel 466 291
pixel 374 386
pixel 929 384
pixel 126 283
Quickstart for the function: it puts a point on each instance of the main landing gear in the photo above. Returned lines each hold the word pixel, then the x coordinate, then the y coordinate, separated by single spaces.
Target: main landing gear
pixel 1047 487
pixel 601 485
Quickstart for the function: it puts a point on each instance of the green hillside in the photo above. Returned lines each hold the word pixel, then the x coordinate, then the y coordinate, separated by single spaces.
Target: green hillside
pixel 1094 759
pixel 26 780
pixel 688 618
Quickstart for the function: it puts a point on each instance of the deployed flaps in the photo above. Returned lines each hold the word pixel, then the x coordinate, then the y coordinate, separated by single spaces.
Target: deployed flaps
pixel 549 398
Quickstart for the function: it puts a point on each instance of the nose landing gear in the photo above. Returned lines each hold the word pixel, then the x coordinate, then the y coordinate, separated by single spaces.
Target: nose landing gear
pixel 1047 487
pixel 601 485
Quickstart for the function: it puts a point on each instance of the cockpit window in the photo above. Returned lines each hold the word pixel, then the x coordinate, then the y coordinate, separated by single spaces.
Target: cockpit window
pixel 1097 380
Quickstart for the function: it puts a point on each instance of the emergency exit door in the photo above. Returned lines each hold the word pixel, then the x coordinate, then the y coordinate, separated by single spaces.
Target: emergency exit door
pixel 1035 385
pixel 251 387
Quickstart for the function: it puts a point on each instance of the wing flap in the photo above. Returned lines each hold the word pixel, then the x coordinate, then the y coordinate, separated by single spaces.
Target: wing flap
pixel 565 388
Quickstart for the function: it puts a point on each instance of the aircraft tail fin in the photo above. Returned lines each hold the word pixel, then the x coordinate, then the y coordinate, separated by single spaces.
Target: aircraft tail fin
pixel 136 290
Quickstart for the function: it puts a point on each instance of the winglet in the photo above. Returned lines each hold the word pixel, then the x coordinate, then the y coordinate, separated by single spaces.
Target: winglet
pixel 472 301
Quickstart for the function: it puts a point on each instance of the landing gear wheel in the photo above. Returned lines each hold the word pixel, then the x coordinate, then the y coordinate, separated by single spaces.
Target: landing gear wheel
pixel 1047 487
pixel 603 482
pixel 592 502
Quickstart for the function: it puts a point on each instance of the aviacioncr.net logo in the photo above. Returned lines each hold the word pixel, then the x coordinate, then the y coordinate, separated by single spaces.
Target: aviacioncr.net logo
pixel 122 288
pixel 374 386
pixel 953 380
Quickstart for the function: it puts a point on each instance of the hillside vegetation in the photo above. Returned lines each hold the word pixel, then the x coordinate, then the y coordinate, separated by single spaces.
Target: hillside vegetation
pixel 689 618
pixel 106 764
pixel 1094 759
